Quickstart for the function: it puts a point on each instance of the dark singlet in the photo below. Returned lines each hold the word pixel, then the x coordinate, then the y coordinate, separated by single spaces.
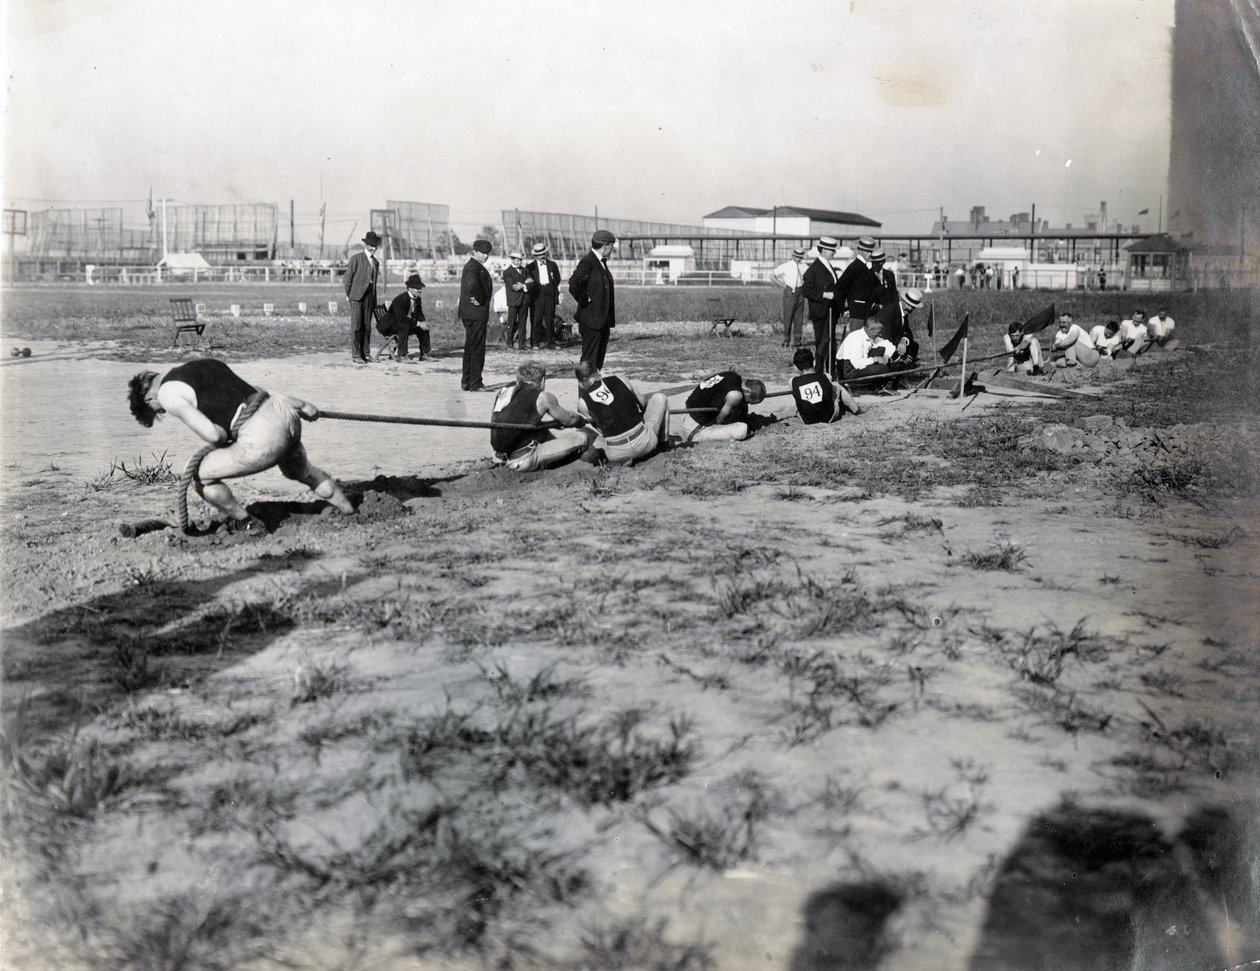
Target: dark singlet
pixel 613 406
pixel 711 393
pixel 815 397
pixel 521 409
pixel 219 391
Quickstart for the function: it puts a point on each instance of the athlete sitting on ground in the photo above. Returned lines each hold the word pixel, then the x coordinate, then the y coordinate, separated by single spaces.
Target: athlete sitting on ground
pixel 630 426
pixel 1161 328
pixel 817 400
pixel 718 408
pixel 527 403
pixel 207 395
pixel 1075 344
pixel 1025 351
pixel 1134 336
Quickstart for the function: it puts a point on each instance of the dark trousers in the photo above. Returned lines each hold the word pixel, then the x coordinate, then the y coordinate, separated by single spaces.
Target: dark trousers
pixel 542 320
pixel 594 344
pixel 793 315
pixel 474 354
pixel 823 357
pixel 514 329
pixel 872 371
pixel 361 325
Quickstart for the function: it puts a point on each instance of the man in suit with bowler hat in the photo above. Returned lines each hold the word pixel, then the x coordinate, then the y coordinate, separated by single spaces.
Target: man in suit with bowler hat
pixel 546 293
pixel 476 288
pixel 406 317
pixel 517 284
pixel 360 284
pixel 591 286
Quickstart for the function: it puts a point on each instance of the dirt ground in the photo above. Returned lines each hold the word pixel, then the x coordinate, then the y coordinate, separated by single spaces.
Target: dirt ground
pixel 833 697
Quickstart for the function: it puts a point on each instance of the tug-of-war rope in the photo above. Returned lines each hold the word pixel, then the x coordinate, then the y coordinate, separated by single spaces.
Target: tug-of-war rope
pixel 255 401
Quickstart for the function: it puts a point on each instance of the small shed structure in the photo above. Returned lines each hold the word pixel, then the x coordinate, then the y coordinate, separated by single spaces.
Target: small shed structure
pixel 667 262
pixel 1157 263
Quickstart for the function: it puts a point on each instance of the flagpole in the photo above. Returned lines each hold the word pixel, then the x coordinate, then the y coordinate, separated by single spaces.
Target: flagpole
pixel 935 352
pixel 962 381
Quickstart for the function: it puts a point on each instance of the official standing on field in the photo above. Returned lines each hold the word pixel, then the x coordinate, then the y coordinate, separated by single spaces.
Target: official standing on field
pixel 517 286
pixel 591 286
pixel 546 293
pixel 858 286
pixel 475 291
pixel 789 276
pixel 360 284
pixel 818 285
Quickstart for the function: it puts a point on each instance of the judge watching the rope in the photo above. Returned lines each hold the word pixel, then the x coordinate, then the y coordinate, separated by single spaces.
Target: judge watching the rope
pixel 211 399
pixel 630 426
pixel 718 408
pixel 527 403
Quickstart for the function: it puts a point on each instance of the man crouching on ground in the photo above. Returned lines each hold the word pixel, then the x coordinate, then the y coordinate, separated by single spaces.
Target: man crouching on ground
pixel 630 426
pixel 528 403
pixel 718 408
pixel 207 395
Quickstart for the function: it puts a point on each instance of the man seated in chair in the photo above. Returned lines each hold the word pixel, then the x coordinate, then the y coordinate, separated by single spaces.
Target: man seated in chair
pixel 528 403
pixel 630 426
pixel 870 362
pixel 718 408
pixel 406 317
pixel 818 401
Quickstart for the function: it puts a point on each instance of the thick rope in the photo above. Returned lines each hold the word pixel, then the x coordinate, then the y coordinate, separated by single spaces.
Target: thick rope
pixel 252 404
pixel 440 422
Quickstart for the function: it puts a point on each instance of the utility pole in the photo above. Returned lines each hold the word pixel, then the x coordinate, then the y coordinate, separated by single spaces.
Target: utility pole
pixel 1159 227
pixel 1032 232
pixel 291 235
pixel 164 249
pixel 322 207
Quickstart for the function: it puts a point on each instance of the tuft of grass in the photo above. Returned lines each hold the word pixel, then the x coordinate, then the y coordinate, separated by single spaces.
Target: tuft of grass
pixel 540 686
pixel 1003 555
pixel 952 810
pixel 313 680
pixel 73 781
pixel 637 945
pixel 721 839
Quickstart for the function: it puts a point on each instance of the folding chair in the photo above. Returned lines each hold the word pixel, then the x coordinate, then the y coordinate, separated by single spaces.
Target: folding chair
pixel 715 309
pixel 390 348
pixel 184 318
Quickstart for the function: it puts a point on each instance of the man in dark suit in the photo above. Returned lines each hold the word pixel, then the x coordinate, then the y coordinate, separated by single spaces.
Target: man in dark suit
pixel 857 287
pixel 406 317
pixel 360 284
pixel 517 284
pixel 546 293
pixel 819 288
pixel 591 285
pixel 895 318
pixel 886 292
pixel 475 291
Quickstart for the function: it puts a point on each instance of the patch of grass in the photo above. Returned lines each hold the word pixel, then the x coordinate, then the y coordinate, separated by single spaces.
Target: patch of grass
pixel 543 685
pixel 1003 555
pixel 952 810
pixel 1164 682
pixel 718 840
pixel 1042 654
pixel 636 944
pixel 73 781
pixel 130 669
pixel 1216 542
pixel 334 729
pixel 314 680
pixel 195 930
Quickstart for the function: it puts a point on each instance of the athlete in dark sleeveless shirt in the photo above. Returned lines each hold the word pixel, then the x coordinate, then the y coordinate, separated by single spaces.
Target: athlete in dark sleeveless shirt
pixel 528 402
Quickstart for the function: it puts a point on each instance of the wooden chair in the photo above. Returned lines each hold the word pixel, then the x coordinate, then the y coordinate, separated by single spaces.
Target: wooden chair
pixel 715 309
pixel 390 348
pixel 184 318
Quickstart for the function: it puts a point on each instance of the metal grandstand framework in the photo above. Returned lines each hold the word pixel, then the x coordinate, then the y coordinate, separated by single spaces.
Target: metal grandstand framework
pixel 87 234
pixel 223 233
pixel 415 230
pixel 568 235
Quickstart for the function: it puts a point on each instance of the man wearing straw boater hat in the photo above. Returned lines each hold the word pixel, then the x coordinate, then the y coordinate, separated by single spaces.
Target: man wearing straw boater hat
pixel 360 286
pixel 886 292
pixel 546 294
pixel 818 285
pixel 858 287
pixel 895 317
pixel 789 276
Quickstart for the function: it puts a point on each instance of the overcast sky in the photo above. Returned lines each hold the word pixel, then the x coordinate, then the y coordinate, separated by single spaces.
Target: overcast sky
pixel 655 109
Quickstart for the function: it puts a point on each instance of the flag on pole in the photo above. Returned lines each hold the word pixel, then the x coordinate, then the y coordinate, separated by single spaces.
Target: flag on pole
pixel 148 206
pixel 931 321
pixel 1040 320
pixel 1143 212
pixel 948 350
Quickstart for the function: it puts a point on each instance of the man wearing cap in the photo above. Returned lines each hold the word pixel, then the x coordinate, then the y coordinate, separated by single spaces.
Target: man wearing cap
pixel 591 286
pixel 545 291
pixel 886 292
pixel 516 283
pixel 895 318
pixel 818 286
pixel 476 288
pixel 406 317
pixel 789 276
pixel 858 285
pixel 360 284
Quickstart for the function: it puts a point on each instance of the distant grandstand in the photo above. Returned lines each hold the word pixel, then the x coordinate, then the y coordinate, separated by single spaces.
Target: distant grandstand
pixel 415 230
pixel 568 236
pixel 82 234
pixel 222 234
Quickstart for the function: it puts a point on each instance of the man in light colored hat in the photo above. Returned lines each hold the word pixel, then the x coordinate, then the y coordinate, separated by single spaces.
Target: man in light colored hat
pixel 517 284
pixel 886 292
pixel 591 286
pixel 545 276
pixel 857 288
pixel 818 287
pixel 360 286
pixel 895 318
pixel 790 276
pixel 476 290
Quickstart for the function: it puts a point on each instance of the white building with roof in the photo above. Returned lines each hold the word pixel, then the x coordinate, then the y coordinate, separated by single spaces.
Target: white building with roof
pixel 790 221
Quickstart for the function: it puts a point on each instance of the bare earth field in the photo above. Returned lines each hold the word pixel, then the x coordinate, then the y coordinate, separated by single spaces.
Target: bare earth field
pixel 935 688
